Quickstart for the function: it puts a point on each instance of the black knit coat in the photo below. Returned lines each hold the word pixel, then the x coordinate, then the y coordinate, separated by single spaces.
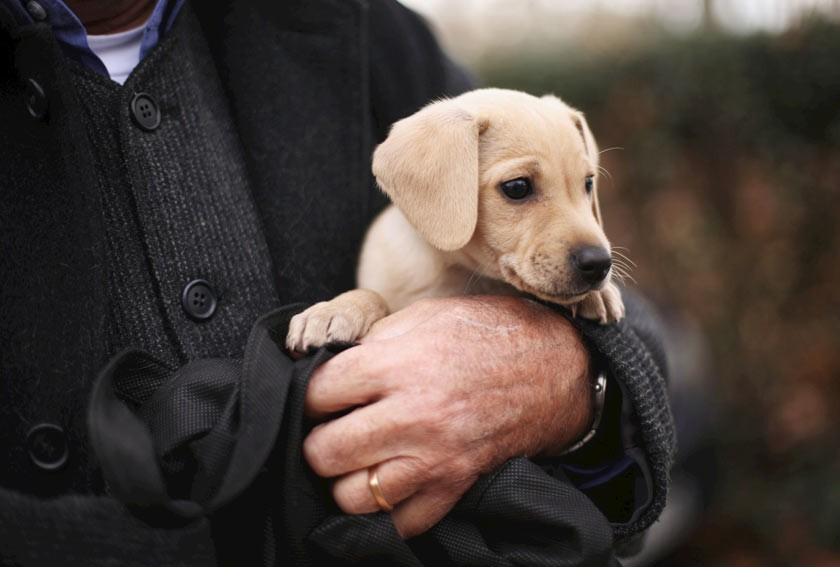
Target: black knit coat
pixel 257 181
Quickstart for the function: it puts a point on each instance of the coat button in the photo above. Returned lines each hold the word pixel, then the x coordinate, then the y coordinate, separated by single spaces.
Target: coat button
pixel 145 111
pixel 36 100
pixel 36 11
pixel 47 446
pixel 199 300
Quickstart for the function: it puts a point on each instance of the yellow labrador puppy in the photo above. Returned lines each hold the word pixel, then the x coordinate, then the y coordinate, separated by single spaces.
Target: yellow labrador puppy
pixel 495 192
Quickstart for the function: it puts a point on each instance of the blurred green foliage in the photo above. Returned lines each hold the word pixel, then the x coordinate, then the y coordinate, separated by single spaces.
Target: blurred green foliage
pixel 724 162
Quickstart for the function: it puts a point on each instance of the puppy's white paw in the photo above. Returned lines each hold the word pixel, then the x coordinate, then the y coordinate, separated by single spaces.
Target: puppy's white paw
pixel 323 323
pixel 346 318
pixel 605 305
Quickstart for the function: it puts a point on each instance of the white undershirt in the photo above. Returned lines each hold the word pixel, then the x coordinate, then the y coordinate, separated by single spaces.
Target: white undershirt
pixel 119 52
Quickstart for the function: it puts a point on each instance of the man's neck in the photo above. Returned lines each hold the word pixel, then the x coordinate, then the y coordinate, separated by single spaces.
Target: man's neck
pixel 111 16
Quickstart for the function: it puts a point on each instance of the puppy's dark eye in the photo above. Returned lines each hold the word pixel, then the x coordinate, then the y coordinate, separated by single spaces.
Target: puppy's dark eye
pixel 516 189
pixel 590 184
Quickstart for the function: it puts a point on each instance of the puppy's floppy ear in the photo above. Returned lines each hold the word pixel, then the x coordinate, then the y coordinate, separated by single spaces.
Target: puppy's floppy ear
pixel 592 154
pixel 428 166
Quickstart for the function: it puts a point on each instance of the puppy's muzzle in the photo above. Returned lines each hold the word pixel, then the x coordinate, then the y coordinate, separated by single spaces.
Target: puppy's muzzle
pixel 591 264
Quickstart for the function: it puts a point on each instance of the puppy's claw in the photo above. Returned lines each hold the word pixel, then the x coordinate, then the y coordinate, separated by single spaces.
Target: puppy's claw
pixel 592 307
pixel 613 303
pixel 604 306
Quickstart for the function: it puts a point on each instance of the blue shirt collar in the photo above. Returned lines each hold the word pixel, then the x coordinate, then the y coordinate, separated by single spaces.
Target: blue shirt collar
pixel 72 36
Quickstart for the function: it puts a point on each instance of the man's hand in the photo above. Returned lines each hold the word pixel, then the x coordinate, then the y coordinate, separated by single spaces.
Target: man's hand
pixel 445 390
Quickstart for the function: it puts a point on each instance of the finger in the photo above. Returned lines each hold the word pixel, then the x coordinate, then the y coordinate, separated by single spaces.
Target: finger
pixel 398 478
pixel 362 438
pixel 426 508
pixel 351 378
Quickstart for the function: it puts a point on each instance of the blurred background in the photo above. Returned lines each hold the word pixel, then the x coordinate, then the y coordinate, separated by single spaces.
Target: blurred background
pixel 719 122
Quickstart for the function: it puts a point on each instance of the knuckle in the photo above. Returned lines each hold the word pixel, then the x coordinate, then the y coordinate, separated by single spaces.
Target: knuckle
pixel 349 500
pixel 418 471
pixel 317 395
pixel 318 454
pixel 458 468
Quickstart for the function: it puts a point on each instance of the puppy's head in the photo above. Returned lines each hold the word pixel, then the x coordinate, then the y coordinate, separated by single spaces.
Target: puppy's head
pixel 510 182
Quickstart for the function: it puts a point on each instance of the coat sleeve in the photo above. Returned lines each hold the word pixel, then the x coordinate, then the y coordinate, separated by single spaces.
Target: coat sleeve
pixel 637 433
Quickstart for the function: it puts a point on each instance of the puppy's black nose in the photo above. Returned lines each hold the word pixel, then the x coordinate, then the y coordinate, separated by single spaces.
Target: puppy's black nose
pixel 592 263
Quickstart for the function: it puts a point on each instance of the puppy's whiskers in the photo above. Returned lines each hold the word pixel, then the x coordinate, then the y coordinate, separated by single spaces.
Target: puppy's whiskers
pixel 621 275
pixel 602 169
pixel 605 173
pixel 617 253
pixel 481 271
pixel 622 264
pixel 609 150
pixel 476 274
pixel 473 276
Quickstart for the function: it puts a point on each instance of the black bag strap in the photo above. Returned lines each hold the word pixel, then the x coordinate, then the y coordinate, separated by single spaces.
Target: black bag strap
pixel 190 439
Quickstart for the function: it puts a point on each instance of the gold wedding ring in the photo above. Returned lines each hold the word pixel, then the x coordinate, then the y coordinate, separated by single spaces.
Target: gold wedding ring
pixel 376 490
